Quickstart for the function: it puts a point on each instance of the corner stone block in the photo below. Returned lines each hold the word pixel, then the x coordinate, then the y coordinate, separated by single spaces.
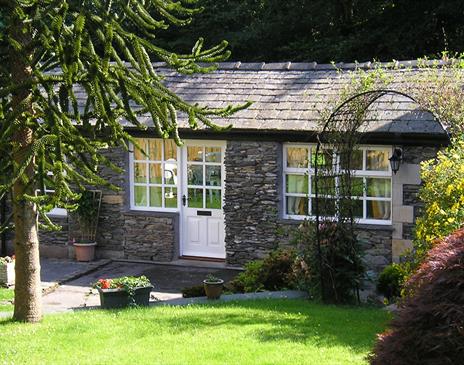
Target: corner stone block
pixel 112 199
pixel 397 230
pixel 403 213
pixel 399 247
pixel 408 174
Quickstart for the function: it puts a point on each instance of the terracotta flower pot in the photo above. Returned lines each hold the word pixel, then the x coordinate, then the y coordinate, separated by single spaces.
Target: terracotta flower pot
pixel 85 251
pixel 213 289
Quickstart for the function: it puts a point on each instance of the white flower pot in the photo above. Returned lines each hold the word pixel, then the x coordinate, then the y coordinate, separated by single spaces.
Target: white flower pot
pixel 7 274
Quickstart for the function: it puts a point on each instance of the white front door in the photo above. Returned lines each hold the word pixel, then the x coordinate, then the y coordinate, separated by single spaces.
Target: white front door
pixel 202 199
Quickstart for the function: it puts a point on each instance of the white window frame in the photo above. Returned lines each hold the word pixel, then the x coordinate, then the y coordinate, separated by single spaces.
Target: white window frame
pixel 132 183
pixel 309 172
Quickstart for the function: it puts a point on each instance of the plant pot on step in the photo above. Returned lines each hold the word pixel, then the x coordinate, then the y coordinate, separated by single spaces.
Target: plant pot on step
pixel 85 219
pixel 213 289
pixel 85 251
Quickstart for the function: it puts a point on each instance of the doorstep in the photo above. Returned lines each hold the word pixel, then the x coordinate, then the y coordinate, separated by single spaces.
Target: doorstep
pixel 182 262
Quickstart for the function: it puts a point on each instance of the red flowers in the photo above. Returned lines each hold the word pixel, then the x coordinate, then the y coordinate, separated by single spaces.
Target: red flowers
pixel 104 283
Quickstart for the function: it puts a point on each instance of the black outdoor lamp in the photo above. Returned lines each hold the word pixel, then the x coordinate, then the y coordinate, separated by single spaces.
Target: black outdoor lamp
pixel 395 159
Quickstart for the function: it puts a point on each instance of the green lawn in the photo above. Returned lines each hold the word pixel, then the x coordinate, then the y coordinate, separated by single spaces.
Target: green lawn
pixel 247 332
pixel 6 295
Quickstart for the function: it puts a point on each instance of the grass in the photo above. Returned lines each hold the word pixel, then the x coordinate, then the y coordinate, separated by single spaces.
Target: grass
pixel 6 295
pixel 251 332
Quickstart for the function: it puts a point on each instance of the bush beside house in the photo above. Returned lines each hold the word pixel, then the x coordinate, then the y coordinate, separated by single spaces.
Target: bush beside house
pixel 428 328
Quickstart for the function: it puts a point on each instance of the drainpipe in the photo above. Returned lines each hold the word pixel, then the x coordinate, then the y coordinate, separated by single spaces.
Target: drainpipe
pixel 2 221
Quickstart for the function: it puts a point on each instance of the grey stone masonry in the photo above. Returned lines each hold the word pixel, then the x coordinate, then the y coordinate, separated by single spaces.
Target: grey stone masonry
pixel 251 206
pixel 149 237
pixel 121 233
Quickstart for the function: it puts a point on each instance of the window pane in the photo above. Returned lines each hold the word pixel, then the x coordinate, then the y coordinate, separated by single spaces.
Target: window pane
pixel 195 174
pixel 297 157
pixel 297 184
pixel 195 153
pixel 140 172
pixel 213 154
pixel 358 208
pixel 156 193
pixel 378 209
pixel 324 158
pixel 170 173
pixel 155 149
pixel 356 184
pixel 195 198
pixel 213 175
pixel 378 187
pixel 155 173
pixel 170 150
pixel 297 205
pixel 140 197
pixel 353 161
pixel 170 197
pixel 326 207
pixel 138 155
pixel 377 160
pixel 325 185
pixel 213 198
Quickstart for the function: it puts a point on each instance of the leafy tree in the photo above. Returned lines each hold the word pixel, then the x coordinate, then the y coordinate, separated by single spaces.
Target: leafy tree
pixel 69 72
pixel 328 30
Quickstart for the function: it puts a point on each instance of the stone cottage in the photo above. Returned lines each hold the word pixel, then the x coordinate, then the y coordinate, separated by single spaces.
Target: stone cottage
pixel 234 196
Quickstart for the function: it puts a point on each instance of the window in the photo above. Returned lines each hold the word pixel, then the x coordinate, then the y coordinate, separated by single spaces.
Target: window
pixel 154 175
pixel 371 182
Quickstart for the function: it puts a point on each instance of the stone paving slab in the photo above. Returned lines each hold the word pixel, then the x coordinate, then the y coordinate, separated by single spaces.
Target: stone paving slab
pixel 168 281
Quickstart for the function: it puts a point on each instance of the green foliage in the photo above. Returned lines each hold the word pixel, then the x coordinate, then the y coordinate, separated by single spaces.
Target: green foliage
pixel 335 271
pixel 391 280
pixel 443 195
pixel 274 272
pixel 210 278
pixel 70 71
pixel 326 30
pixel 193 291
pixel 128 283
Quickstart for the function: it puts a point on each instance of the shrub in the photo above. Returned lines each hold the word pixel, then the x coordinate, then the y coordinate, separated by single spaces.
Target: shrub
pixel 194 291
pixel 442 194
pixel 391 280
pixel 333 274
pixel 429 325
pixel 275 272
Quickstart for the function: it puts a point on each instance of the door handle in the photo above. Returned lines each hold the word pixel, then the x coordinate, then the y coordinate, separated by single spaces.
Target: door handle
pixel 184 200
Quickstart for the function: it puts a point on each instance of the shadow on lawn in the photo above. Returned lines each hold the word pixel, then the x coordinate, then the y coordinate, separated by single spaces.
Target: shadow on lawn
pixel 294 321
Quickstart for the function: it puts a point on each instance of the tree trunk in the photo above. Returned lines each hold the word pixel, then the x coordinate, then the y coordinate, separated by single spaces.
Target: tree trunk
pixel 28 292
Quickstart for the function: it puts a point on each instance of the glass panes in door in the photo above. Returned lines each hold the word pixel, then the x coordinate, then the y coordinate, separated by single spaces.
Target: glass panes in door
pixel 204 177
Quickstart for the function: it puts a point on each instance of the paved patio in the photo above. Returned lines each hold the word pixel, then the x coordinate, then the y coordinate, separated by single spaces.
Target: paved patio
pixel 75 292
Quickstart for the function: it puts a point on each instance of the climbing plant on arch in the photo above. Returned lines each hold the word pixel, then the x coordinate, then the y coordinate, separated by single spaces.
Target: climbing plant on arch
pixel 337 251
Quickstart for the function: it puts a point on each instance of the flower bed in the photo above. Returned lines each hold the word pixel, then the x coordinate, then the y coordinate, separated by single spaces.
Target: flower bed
pixel 124 291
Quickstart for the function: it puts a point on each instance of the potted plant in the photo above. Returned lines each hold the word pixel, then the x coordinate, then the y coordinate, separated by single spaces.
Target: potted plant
pixel 7 271
pixel 124 291
pixel 87 214
pixel 213 286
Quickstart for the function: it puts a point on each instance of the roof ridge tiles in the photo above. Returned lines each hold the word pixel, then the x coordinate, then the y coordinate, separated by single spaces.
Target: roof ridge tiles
pixel 314 66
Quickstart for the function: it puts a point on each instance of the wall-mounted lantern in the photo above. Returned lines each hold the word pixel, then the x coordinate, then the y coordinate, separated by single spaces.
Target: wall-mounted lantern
pixel 396 159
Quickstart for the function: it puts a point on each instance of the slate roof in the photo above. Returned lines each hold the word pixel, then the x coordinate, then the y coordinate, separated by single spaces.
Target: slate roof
pixel 289 96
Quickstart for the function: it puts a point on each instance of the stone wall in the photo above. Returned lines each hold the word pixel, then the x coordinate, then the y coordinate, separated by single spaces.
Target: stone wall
pixel 252 197
pixel 121 233
pixel 149 237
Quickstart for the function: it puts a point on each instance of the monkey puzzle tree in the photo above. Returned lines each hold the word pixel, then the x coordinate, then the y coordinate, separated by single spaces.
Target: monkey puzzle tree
pixel 69 72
